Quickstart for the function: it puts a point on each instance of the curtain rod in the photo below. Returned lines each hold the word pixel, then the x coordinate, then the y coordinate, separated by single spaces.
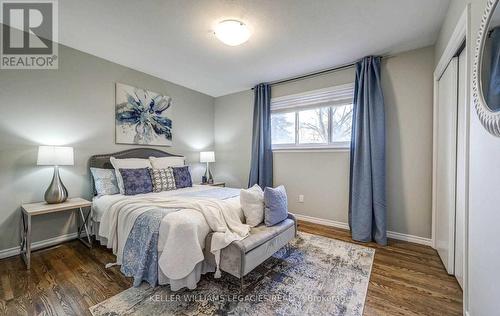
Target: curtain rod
pixel 318 73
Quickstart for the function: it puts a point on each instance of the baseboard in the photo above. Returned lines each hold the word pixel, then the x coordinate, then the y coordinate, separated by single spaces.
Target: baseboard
pixel 390 234
pixel 410 238
pixel 10 252
pixel 321 221
pixel 59 239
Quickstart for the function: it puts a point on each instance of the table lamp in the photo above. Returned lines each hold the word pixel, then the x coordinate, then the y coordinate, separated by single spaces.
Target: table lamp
pixel 208 157
pixel 55 156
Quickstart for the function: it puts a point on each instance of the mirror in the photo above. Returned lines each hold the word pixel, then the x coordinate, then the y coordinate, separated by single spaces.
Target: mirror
pixel 486 75
pixel 490 62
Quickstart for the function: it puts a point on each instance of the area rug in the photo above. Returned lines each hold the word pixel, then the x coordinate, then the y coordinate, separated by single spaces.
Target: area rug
pixel 319 276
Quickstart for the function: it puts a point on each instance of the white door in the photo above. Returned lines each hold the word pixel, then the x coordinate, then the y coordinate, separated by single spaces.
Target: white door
pixel 446 164
pixel 461 198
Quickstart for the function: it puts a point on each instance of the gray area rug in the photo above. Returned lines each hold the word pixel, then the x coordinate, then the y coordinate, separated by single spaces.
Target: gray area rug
pixel 320 276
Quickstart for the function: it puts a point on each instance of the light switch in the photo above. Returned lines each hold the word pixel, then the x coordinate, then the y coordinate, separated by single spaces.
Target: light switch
pixel 301 198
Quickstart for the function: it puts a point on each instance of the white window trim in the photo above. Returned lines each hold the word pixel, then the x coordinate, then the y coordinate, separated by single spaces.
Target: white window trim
pixel 335 146
pixel 337 95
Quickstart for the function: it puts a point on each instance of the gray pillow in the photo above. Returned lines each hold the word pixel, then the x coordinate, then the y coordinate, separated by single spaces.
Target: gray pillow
pixel 276 205
pixel 105 181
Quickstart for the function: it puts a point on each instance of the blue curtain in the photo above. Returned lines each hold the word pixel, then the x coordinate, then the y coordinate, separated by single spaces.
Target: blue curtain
pixel 493 96
pixel 261 168
pixel 367 204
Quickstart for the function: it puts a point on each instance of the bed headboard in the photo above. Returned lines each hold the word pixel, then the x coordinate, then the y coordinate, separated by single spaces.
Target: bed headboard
pixel 102 161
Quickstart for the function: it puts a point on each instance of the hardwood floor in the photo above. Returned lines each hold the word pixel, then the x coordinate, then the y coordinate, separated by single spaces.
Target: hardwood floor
pixel 406 279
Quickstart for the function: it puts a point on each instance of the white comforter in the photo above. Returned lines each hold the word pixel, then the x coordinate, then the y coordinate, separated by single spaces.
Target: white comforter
pixel 101 204
pixel 181 233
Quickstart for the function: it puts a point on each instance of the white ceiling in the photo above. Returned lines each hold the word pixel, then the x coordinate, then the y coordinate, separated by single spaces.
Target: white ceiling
pixel 173 39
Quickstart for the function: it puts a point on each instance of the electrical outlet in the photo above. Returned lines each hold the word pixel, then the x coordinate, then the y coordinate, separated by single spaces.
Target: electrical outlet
pixel 301 198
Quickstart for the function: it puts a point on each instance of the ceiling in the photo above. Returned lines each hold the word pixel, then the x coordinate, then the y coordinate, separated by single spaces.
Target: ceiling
pixel 173 39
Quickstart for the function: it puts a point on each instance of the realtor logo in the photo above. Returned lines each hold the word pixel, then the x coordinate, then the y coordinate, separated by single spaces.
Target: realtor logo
pixel 29 34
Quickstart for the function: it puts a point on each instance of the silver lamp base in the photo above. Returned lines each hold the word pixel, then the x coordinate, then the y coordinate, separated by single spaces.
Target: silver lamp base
pixel 56 192
pixel 208 174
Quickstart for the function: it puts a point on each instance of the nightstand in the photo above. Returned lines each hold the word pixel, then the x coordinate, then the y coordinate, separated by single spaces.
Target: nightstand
pixel 41 208
pixel 215 184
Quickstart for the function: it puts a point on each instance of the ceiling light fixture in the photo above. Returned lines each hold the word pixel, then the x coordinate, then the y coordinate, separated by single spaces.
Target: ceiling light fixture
pixel 232 32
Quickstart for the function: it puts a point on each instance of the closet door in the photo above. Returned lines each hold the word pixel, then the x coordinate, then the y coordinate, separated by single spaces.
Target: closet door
pixel 462 189
pixel 446 165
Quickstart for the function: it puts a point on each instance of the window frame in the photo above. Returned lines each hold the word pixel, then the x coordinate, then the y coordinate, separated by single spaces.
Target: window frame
pixel 322 98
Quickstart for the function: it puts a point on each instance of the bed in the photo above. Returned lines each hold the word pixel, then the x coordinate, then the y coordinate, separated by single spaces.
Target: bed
pixel 159 238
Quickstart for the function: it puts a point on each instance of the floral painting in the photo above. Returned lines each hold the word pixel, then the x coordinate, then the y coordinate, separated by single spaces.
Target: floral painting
pixel 141 117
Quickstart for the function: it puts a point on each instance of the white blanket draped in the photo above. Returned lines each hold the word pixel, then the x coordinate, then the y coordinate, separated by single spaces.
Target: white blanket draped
pixel 182 233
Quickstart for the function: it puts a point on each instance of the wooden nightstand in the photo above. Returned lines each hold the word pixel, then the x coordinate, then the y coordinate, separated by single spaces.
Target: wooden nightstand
pixel 40 208
pixel 215 184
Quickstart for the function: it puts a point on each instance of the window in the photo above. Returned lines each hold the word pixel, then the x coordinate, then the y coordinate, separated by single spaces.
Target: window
pixel 316 119
pixel 283 128
pixel 313 126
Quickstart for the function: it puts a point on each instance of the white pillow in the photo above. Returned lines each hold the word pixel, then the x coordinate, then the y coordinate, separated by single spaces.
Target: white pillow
pixel 165 162
pixel 252 203
pixel 127 163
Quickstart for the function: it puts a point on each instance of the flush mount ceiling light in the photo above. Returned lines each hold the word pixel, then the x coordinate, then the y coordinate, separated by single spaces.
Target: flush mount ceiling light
pixel 232 32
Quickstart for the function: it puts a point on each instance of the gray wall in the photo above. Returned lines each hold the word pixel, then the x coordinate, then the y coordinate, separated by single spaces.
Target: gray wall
pixel 408 91
pixel 325 189
pixel 74 106
pixel 407 84
pixel 484 180
pixel 233 137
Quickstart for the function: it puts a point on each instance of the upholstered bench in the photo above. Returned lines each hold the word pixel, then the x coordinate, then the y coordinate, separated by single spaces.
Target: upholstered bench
pixel 241 257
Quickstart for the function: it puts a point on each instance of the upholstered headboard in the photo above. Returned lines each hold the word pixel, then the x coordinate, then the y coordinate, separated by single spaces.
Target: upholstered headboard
pixel 102 161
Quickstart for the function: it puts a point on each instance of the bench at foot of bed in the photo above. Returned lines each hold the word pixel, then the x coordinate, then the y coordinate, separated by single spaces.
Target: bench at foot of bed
pixel 241 257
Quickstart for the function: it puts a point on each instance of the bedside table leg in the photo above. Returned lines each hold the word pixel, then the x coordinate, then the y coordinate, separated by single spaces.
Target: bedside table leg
pixel 26 240
pixel 22 232
pixel 28 243
pixel 83 226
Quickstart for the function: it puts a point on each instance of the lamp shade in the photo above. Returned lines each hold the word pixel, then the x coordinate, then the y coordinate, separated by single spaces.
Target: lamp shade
pixel 207 156
pixel 55 156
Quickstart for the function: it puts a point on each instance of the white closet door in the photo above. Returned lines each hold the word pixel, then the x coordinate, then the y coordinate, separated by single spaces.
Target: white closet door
pixel 461 172
pixel 446 165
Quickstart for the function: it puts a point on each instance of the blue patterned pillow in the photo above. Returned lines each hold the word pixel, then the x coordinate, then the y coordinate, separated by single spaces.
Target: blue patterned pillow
pixel 104 181
pixel 276 205
pixel 182 177
pixel 136 181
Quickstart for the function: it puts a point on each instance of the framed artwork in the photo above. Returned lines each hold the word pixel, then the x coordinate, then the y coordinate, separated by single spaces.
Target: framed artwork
pixel 141 117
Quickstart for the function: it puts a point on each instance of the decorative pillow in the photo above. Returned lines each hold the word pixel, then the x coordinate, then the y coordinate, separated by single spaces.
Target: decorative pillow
pixel 163 179
pixel 127 163
pixel 182 177
pixel 136 181
pixel 276 205
pixel 104 181
pixel 165 162
pixel 252 203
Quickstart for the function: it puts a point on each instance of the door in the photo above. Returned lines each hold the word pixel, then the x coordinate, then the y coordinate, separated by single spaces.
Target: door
pixel 447 164
pixel 461 198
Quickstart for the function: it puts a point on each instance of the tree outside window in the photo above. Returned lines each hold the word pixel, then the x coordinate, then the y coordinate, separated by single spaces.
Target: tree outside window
pixel 328 125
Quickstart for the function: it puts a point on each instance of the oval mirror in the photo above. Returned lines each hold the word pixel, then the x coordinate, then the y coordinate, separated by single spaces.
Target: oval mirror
pixel 486 79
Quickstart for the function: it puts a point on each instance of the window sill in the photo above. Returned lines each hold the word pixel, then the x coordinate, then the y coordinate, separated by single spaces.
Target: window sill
pixel 311 149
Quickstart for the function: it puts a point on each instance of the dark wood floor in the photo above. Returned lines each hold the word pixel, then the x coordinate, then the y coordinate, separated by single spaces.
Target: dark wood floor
pixel 406 279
